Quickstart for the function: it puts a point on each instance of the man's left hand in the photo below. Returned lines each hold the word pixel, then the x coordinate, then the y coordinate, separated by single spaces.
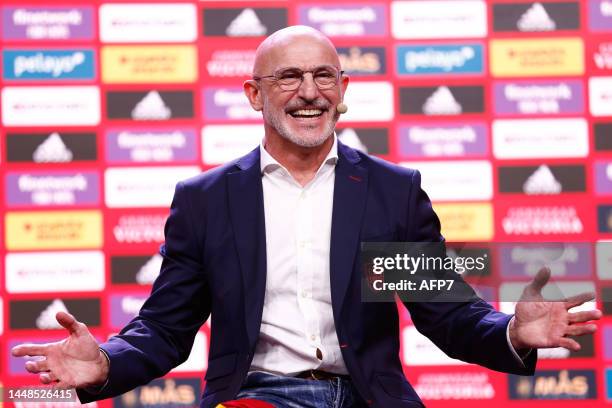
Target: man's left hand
pixel 540 323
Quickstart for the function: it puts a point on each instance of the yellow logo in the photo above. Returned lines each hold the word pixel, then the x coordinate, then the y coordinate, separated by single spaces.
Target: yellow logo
pixel 466 222
pixel 149 64
pixel 53 230
pixel 537 57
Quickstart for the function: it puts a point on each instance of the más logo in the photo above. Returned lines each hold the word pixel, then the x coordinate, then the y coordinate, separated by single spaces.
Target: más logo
pixel 35 272
pixel 437 59
pixel 230 63
pixel 51 106
pixel 363 61
pixel 243 22
pixel 161 393
pixel 227 103
pixel 600 96
pixel 368 140
pixel 48 64
pixel 345 19
pixel 423 19
pixel 537 57
pixel 536 16
pixel 151 145
pixel 455 386
pixel 554 385
pixel 55 147
pixel 538 97
pixel 40 314
pixel 47 23
pixel 542 180
pixel 443 140
pixel 148 23
pixel 52 188
pixel 149 64
pixel 442 100
pixel 150 106
pixel 53 230
pixel 600 15
pixel 141 270
pixel 540 138
pixel 143 186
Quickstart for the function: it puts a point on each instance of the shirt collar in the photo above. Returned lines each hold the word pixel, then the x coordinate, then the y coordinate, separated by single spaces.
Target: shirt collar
pixel 269 164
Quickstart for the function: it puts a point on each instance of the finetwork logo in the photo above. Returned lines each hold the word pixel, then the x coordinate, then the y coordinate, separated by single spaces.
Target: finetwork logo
pixel 440 59
pixel 48 64
pixel 52 188
pixel 539 97
pixel 600 15
pixel 443 140
pixel 565 260
pixel 345 20
pixel 227 103
pixel 151 145
pixel 47 23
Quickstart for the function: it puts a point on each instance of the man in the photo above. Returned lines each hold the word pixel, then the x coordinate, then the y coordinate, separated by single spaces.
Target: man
pixel 267 246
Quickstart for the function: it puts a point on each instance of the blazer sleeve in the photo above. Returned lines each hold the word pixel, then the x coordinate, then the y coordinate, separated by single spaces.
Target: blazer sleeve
pixel 162 334
pixel 472 331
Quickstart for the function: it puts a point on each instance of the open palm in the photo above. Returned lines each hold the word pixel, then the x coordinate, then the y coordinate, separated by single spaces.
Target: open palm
pixel 74 362
pixel 540 323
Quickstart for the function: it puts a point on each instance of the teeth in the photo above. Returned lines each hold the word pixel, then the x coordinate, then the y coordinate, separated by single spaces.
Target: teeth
pixel 308 112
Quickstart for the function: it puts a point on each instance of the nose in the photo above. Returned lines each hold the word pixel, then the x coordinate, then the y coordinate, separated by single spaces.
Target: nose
pixel 308 89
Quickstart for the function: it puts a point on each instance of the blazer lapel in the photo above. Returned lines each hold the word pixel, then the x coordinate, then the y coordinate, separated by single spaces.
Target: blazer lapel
pixel 350 195
pixel 247 215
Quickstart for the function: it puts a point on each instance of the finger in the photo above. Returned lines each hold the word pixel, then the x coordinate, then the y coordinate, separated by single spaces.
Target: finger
pixel 581 317
pixel 48 378
pixel 29 350
pixel 70 323
pixel 541 279
pixel 569 344
pixel 579 299
pixel 37 366
pixel 580 329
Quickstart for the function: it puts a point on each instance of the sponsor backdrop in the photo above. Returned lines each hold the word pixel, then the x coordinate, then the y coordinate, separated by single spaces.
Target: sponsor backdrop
pixel 505 107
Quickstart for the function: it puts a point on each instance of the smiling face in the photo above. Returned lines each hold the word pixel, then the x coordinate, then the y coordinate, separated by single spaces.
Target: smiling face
pixel 307 115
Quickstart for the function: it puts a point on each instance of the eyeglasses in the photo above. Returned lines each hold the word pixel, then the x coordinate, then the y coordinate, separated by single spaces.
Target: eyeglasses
pixel 290 79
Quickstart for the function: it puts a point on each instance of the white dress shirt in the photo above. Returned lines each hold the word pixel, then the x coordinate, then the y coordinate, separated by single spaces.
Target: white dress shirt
pixel 297 327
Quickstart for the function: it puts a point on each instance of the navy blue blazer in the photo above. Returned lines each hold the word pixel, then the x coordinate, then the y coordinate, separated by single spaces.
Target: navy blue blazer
pixel 215 265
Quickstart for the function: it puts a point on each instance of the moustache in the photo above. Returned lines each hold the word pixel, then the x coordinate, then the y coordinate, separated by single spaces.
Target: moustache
pixel 316 104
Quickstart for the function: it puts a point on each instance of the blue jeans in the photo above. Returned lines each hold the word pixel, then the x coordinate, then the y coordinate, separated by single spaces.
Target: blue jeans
pixel 291 392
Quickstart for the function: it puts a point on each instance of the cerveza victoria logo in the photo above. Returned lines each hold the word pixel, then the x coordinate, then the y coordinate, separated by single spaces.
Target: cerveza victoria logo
pixel 554 385
pixel 439 59
pixel 441 100
pixel 243 22
pixel 48 64
pixel 536 16
pixel 149 105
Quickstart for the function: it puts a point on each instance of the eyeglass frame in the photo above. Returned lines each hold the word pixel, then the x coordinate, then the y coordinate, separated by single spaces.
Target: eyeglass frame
pixel 312 71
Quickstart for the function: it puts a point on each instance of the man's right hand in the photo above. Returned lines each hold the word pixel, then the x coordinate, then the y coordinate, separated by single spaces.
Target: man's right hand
pixel 75 362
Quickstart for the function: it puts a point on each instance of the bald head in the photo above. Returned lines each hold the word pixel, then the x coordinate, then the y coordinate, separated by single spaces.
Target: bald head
pixel 283 46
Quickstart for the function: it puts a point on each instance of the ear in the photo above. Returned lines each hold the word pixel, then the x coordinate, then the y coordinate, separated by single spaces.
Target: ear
pixel 344 80
pixel 253 93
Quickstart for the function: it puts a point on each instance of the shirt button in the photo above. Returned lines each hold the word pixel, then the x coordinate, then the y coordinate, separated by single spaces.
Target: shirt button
pixel 304 294
pixel 313 337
